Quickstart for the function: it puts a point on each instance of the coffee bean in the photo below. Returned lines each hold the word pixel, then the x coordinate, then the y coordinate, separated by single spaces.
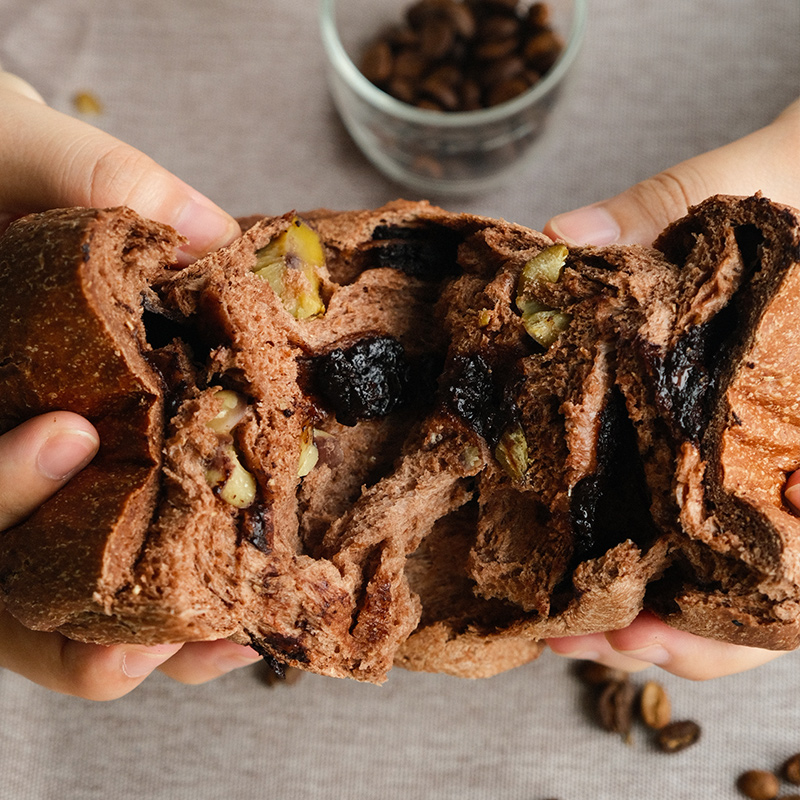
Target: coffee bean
pixel 403 89
pixel 538 15
pixel 441 92
pixel 496 48
pixel 791 769
pixel 654 705
pixel 377 62
pixel 677 736
pixel 758 784
pixel 594 674
pixel 542 50
pixel 494 51
pixel 499 27
pixel 409 65
pixel 615 706
pixel 503 69
pixel 506 90
pixel 436 39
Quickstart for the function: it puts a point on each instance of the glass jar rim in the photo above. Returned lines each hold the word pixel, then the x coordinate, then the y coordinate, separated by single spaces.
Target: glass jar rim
pixel 377 98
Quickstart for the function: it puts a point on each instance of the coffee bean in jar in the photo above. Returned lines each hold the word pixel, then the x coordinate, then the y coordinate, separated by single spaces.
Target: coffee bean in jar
pixel 463 55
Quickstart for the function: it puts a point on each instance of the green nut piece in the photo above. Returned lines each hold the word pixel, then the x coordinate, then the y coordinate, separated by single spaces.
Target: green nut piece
pixel 512 452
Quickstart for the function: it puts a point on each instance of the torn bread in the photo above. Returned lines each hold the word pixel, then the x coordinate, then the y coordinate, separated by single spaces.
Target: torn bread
pixel 407 436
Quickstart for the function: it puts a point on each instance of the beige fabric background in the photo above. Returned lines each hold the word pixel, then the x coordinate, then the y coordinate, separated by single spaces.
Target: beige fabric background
pixel 231 96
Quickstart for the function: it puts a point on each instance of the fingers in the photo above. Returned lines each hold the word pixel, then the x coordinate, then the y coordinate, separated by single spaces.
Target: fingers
pixel 91 671
pixel 16 84
pixel 37 458
pixel 51 160
pixel 595 647
pixel 764 161
pixel 198 662
pixel 792 491
pixel 649 641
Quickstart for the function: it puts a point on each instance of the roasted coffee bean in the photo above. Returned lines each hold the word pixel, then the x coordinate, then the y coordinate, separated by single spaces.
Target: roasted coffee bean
pixel 500 26
pixel 436 39
pixel 594 674
pixel 491 50
pixel 758 784
pixel 503 69
pixel 403 89
pixel 506 90
pixel 654 705
pixel 542 50
pixel 538 15
pixel 470 95
pixel 615 706
pixel 677 736
pixel 377 62
pixel 496 48
pixel 409 65
pixel 441 92
pixel 791 769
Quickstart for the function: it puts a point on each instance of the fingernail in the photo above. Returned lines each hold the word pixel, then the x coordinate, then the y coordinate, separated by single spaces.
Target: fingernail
pixel 64 453
pixel 138 663
pixel 653 654
pixel 588 225
pixel 581 655
pixel 792 496
pixel 206 226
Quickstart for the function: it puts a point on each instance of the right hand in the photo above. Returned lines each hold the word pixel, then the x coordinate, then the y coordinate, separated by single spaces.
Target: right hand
pixel 765 161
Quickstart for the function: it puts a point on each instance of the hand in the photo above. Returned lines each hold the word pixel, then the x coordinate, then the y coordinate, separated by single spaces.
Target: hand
pixel 764 161
pixel 50 160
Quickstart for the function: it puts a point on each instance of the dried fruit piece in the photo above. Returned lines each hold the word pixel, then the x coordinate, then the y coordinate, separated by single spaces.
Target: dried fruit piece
pixel 654 705
pixel 290 263
pixel 512 452
pixel 230 480
pixel 758 784
pixel 365 380
pixel 676 736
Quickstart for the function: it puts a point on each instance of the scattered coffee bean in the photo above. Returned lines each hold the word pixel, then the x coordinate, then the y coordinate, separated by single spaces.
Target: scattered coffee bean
pixel 791 769
pixel 493 49
pixel 676 736
pixel 615 707
pixel 594 674
pixel 654 705
pixel 758 784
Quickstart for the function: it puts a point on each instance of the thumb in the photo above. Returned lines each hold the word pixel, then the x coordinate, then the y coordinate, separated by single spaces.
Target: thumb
pixel 764 161
pixel 53 160
pixel 37 458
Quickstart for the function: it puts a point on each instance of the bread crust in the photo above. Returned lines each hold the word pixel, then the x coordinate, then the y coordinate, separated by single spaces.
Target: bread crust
pixel 412 541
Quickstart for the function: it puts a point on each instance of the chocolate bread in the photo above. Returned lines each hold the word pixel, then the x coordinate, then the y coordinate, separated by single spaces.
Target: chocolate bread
pixel 407 436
